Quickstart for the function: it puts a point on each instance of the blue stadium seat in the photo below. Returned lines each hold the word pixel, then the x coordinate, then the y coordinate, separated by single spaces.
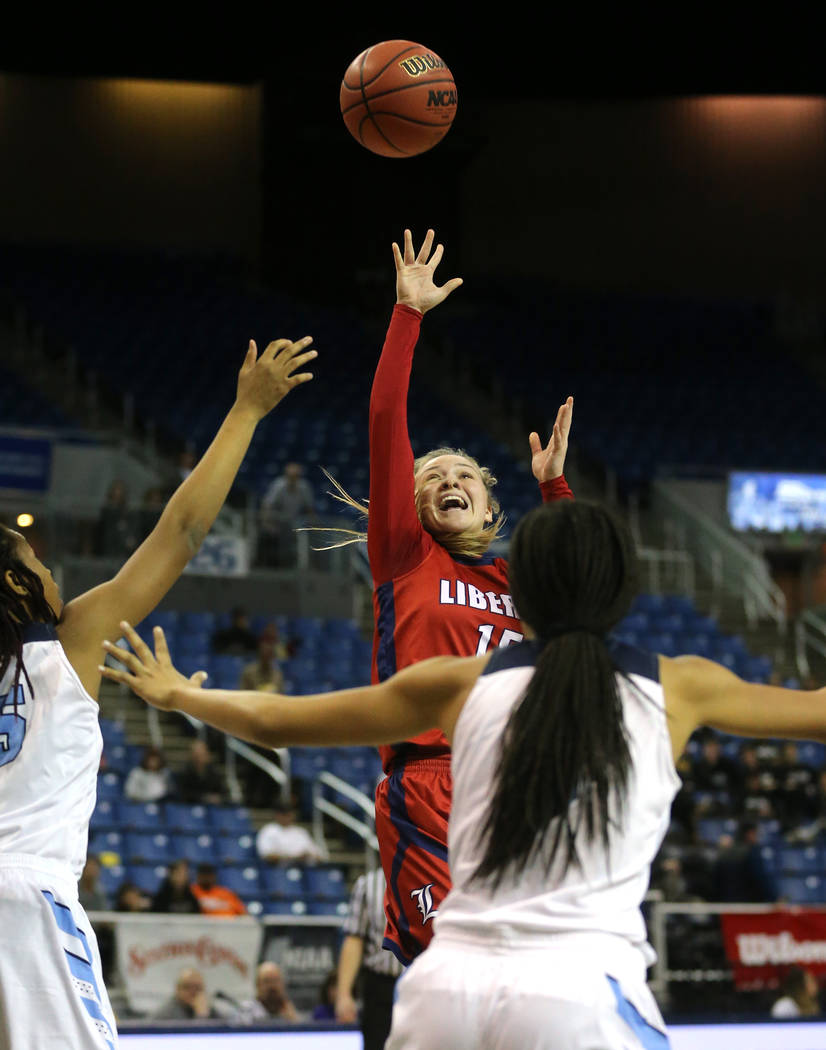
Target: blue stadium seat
pixel 243 881
pixel 141 816
pixel 196 622
pixel 196 848
pixel 147 848
pixel 147 877
pixel 325 907
pixel 111 877
pixel 802 889
pixel 801 860
pixel 274 906
pixel 712 829
pixel 110 786
pixel 235 849
pixel 230 820
pixel 183 817
pixel 325 883
pixel 811 753
pixel 283 881
pixel 107 842
pixel 105 816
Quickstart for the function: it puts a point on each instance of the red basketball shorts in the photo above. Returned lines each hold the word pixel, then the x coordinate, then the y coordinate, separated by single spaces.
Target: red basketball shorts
pixel 412 809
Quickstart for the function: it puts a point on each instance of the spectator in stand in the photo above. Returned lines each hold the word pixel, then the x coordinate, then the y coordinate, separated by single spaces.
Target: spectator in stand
pixel 189 1002
pixel 758 800
pixel 283 841
pixel 325 1009
pixel 214 900
pixel 797 788
pixel 201 780
pixel 130 898
pixel 175 894
pixel 271 1001
pixel 151 781
pixel 286 506
pixel 799 995
pixel 117 534
pixel 237 639
pixel 89 891
pixel 714 771
pixel 740 874
pixel 264 674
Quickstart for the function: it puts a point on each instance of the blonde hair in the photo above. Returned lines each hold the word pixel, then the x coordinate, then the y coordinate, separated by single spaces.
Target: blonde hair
pixel 462 544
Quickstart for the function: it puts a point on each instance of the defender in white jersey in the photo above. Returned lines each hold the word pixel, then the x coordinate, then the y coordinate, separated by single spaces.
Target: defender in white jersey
pixel 563 752
pixel 51 985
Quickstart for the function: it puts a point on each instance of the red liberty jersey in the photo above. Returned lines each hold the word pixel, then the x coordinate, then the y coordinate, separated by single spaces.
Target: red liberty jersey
pixel 425 601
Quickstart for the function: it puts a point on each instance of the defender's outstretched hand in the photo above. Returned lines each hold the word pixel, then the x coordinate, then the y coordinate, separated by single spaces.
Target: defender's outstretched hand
pixel 549 462
pixel 414 274
pixel 152 676
pixel 264 381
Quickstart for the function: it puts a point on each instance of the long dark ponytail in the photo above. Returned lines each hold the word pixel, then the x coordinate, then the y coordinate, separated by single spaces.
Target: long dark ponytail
pixel 571 570
pixel 18 610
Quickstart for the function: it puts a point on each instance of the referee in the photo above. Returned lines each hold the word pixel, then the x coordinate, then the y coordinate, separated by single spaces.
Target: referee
pixel 362 956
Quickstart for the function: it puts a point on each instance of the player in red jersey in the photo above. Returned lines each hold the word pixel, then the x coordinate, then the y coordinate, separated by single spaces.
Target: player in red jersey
pixel 438 591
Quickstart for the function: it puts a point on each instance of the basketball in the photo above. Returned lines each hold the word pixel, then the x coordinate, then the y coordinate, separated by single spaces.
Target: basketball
pixel 398 99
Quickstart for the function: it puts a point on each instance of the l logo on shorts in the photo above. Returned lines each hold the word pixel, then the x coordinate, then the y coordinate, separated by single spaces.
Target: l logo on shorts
pixel 424 902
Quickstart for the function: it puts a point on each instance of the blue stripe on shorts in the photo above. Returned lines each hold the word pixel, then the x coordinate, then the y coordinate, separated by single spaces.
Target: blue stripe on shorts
pixel 650 1038
pixel 80 967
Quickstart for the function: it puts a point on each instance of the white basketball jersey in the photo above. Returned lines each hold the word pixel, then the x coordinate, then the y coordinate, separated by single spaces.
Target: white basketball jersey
pixel 604 895
pixel 49 756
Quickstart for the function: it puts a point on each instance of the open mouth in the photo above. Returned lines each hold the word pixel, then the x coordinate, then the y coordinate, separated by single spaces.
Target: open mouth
pixel 453 503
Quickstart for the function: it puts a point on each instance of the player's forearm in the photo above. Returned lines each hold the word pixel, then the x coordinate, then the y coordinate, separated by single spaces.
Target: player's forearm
pixel 246 715
pixel 349 964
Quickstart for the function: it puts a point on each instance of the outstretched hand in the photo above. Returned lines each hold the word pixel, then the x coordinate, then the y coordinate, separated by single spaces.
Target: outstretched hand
pixel 152 676
pixel 264 381
pixel 549 462
pixel 414 274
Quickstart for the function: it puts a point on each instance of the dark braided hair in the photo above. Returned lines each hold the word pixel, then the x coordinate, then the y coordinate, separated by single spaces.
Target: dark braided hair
pixel 571 570
pixel 17 610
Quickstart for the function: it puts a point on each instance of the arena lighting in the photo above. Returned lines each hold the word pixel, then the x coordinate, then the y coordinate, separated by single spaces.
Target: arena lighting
pixel 167 101
pixel 761 114
pixel 25 520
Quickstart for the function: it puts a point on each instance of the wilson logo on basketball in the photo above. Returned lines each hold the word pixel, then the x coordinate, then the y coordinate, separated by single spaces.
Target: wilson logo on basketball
pixel 441 98
pixel 419 64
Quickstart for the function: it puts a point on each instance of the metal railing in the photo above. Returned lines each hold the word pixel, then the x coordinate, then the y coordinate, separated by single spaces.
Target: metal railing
pixel 809 636
pixel 324 807
pixel 731 565
pixel 235 748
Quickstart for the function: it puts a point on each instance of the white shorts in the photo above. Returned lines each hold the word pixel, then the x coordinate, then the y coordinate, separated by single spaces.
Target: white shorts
pixel 463 995
pixel 51 983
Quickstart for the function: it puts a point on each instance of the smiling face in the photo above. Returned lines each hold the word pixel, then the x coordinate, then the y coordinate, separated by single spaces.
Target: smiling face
pixel 451 495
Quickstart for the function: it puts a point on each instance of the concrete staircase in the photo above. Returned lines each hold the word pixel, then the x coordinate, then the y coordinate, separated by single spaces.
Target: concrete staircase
pixel 125 708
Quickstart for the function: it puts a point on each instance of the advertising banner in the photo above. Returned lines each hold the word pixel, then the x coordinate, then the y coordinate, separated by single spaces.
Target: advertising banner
pixel 152 951
pixel 762 947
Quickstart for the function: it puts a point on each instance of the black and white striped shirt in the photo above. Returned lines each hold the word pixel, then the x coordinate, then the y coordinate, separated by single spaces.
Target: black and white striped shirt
pixel 365 919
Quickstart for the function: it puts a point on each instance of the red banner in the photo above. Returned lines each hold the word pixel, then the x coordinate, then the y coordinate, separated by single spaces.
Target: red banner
pixel 761 948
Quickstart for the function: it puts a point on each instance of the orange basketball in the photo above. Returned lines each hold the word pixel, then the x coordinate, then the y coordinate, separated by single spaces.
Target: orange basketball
pixel 398 98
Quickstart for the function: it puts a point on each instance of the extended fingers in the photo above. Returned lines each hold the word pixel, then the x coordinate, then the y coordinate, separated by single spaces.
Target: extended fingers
pixel 138 644
pixel 424 251
pixel 123 656
pixel 409 254
pixel 114 674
